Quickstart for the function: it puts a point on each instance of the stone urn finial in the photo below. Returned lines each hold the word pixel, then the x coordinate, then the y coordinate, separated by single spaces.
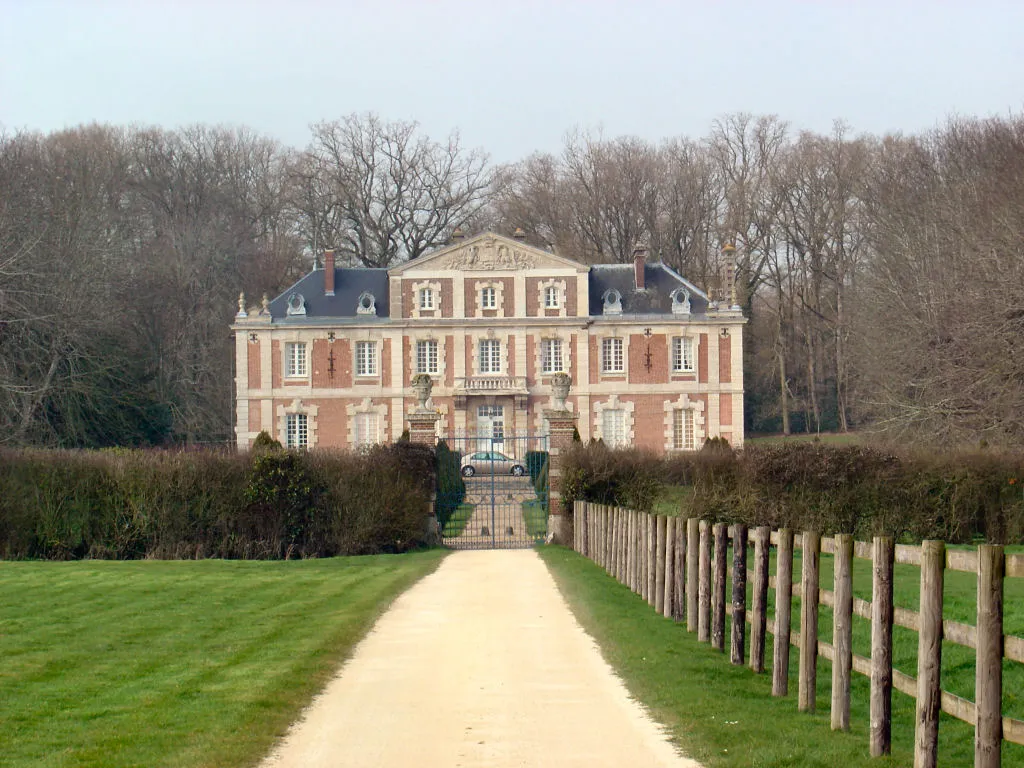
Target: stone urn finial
pixel 241 305
pixel 560 383
pixel 422 384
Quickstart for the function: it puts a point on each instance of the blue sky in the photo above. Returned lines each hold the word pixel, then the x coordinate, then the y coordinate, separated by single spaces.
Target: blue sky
pixel 513 77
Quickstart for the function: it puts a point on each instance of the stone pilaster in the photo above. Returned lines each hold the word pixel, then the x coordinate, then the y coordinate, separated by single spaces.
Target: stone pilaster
pixel 560 428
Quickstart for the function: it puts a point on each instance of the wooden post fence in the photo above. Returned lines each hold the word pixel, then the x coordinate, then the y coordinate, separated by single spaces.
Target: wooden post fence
pixel 669 563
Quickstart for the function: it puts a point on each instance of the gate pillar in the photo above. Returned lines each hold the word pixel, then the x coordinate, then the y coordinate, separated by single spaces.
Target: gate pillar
pixel 561 425
pixel 423 427
pixel 423 431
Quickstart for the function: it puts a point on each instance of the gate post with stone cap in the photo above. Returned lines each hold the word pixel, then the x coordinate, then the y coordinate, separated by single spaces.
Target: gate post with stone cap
pixel 561 425
pixel 423 431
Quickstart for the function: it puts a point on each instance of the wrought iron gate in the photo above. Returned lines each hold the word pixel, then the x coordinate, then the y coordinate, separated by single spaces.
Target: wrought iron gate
pixel 493 491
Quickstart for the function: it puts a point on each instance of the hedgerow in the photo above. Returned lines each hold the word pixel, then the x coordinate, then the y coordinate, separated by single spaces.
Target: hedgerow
pixel 912 495
pixel 268 504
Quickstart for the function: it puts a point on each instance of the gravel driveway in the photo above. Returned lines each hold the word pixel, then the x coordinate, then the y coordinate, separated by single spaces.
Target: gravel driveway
pixel 479 664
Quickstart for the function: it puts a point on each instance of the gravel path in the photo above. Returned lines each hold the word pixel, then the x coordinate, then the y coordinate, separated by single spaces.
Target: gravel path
pixel 479 664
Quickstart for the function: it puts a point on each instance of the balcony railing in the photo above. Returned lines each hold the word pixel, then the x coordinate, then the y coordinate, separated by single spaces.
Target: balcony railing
pixel 491 385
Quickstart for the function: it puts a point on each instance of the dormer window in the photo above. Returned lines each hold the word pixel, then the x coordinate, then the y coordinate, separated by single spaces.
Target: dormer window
pixel 427 298
pixel 488 298
pixel 680 302
pixel 612 302
pixel 296 304
pixel 367 304
pixel 551 298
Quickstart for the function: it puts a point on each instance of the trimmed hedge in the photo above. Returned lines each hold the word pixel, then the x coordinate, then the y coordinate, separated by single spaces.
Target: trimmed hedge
pixel 956 497
pixel 267 504
pixel 451 488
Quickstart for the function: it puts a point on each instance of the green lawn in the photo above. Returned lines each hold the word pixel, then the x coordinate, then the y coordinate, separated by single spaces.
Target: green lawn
pixel 159 663
pixel 725 716
pixel 536 517
pixel 671 499
pixel 456 524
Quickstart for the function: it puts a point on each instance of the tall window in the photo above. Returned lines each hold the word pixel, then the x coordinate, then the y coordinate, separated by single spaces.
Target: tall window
pixel 613 427
pixel 490 356
pixel 366 358
pixel 296 431
pixel 682 354
pixel 366 429
pixel 611 356
pixel 295 359
pixel 551 356
pixel 426 298
pixel 551 297
pixel 488 298
pixel 426 357
pixel 682 430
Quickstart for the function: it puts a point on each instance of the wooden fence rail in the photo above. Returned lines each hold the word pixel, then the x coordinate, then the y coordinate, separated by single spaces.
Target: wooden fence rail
pixel 680 568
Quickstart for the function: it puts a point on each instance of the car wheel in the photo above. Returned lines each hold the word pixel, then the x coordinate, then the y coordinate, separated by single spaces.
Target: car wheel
pixel 468 471
pixel 518 471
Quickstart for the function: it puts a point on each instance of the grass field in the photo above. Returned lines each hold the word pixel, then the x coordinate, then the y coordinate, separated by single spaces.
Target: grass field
pixel 535 517
pixel 725 716
pixel 828 438
pixel 456 524
pixel 176 663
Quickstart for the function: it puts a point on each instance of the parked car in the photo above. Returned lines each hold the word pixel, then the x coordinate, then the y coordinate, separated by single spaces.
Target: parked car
pixel 488 462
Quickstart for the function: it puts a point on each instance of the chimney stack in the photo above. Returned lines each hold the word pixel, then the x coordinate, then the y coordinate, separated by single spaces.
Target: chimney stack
pixel 458 235
pixel 329 272
pixel 729 294
pixel 639 263
pixel 519 234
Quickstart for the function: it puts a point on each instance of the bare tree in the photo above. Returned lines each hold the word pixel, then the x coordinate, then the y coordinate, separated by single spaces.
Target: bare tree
pixel 381 193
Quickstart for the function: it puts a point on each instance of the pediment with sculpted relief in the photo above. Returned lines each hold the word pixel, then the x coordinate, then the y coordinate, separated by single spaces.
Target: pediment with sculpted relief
pixel 488 253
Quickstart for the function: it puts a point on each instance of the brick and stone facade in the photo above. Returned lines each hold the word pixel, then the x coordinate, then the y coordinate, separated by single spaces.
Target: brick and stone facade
pixel 330 362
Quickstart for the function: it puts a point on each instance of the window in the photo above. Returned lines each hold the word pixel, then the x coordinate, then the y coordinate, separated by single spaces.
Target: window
pixel 488 298
pixel 295 359
pixel 682 354
pixel 366 429
pixel 613 427
pixel 366 358
pixel 611 356
pixel 426 298
pixel 551 297
pixel 490 356
pixel 426 357
pixel 682 430
pixel 551 356
pixel 296 431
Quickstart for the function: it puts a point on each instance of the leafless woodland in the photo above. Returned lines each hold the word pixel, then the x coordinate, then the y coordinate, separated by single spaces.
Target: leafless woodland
pixel 883 276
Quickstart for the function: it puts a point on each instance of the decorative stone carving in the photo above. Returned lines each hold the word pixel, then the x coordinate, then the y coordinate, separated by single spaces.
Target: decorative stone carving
pixel 241 305
pixel 487 257
pixel 560 384
pixel 422 385
pixel 265 305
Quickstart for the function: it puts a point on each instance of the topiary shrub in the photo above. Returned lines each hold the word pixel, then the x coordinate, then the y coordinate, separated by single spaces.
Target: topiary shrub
pixel 450 488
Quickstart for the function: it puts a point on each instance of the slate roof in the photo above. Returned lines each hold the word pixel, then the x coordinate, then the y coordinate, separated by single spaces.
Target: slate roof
pixel 655 299
pixel 349 285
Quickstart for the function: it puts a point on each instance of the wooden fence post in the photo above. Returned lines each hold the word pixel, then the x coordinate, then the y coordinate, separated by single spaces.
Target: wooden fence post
pixel 929 655
pixel 718 596
pixel 704 586
pixel 988 681
pixel 783 612
pixel 737 645
pixel 652 557
pixel 842 631
pixel 668 599
pixel 811 563
pixel 659 566
pixel 882 555
pixel 679 602
pixel 604 536
pixel 759 598
pixel 631 544
pixel 620 557
pixel 693 550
